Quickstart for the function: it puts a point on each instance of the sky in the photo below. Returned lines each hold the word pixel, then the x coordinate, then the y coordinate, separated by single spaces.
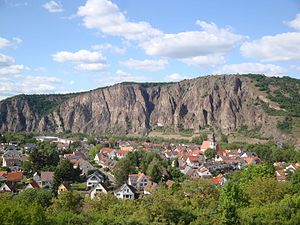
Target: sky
pixel 71 46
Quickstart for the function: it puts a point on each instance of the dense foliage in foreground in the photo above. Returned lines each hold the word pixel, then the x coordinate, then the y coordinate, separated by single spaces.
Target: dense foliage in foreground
pixel 251 196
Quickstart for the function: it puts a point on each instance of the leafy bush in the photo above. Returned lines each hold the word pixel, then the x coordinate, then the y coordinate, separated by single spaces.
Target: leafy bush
pixel 286 125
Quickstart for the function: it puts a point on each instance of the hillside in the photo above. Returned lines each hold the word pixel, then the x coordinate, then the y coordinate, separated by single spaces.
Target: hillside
pixel 249 104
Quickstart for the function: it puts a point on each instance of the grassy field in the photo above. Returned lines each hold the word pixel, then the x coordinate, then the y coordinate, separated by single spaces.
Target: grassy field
pixel 240 138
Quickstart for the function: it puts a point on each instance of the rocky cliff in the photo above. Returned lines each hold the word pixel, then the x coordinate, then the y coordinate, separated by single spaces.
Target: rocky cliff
pixel 222 103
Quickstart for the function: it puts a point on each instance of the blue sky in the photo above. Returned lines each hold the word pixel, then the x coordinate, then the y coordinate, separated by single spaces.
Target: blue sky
pixel 69 46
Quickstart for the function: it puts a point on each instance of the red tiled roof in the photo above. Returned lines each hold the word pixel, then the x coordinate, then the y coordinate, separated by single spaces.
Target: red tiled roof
pixel 106 150
pixel 170 183
pixel 3 173
pixel 127 148
pixel 205 145
pixel 47 176
pixel 14 176
pixel 193 158
pixel 280 172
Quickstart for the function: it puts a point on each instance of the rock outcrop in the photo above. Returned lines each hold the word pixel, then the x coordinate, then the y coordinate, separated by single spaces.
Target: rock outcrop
pixel 222 102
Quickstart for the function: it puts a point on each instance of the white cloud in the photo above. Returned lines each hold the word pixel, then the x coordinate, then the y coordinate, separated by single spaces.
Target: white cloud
pixel 9 43
pixel 108 46
pixel 12 69
pixel 42 79
pixel 281 47
pixel 84 59
pixel 205 61
pixel 202 48
pixel 174 77
pixel 23 84
pixel 79 56
pixel 91 66
pixel 8 66
pixel 105 16
pixel 120 76
pixel 53 6
pixel 147 64
pixel 295 23
pixel 6 60
pixel 255 68
pixel 210 41
pixel 295 67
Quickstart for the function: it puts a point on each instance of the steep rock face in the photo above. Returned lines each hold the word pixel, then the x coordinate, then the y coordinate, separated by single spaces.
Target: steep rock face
pixel 16 115
pixel 222 102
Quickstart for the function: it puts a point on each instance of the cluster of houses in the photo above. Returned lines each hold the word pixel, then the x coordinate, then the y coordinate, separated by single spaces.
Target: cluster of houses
pixel 190 159
pixel 284 170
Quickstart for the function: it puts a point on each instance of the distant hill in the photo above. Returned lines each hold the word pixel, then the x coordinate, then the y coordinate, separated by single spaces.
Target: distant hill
pixel 256 105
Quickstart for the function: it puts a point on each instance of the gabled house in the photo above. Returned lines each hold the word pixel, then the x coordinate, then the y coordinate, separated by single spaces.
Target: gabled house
pixel 121 154
pixel 170 183
pixel 280 175
pixel 252 160
pixel 94 179
pixel 46 179
pixel 292 167
pixel 139 181
pixel 209 144
pixel 65 186
pixel 37 178
pixel 96 190
pixel 104 161
pixel 204 172
pixel 6 188
pixel 12 159
pixel 219 180
pixel 32 185
pixel 126 191
pixel 84 165
pixel 193 161
pixel 150 187
pixel 14 177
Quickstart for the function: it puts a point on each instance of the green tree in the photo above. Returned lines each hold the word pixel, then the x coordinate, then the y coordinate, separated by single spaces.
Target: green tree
pixel 199 139
pixel 65 172
pixel 67 201
pixel 231 199
pixel 93 151
pixel 122 169
pixel 39 196
pixel 262 191
pixel 295 181
pixel 112 141
pixel 45 155
pixel 210 153
pixel 91 141
pixel 154 170
pixel 253 171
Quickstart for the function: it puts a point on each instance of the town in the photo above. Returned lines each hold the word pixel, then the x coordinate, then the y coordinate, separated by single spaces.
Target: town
pixel 97 165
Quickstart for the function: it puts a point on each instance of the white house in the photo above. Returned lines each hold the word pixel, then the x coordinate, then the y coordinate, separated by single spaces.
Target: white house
pixel 97 190
pixel 5 188
pixel 94 179
pixel 126 191
pixel 204 172
pixel 138 181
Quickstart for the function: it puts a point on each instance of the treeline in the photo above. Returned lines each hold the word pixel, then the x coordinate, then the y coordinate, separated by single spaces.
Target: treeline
pixel 251 196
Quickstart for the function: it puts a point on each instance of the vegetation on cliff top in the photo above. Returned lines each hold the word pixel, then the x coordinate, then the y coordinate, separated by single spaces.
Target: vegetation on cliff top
pixel 283 90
